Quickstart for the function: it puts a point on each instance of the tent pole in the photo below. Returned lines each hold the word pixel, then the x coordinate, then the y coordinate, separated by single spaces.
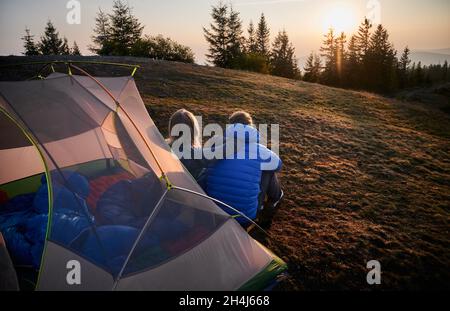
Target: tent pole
pixel 136 242
pixel 220 202
pixel 49 185
pixel 163 174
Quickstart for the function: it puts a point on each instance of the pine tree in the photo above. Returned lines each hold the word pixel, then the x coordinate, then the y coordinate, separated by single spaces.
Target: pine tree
pixel 363 39
pixel 283 62
pixel 28 44
pixel 328 51
pixel 51 43
pixel 101 37
pixel 340 56
pixel 217 36
pixel 403 68
pixel 445 71
pixel 263 37
pixel 251 41
pixel 381 61
pixel 404 60
pixel 125 29
pixel 419 76
pixel 352 66
pixel 362 44
pixel 235 40
pixel 309 68
pixel 312 68
pixel 65 50
pixel 75 49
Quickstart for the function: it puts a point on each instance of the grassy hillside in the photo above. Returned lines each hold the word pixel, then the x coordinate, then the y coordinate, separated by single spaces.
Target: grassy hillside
pixel 365 177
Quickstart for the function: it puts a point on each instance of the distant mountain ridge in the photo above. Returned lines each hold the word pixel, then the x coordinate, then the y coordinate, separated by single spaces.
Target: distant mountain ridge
pixel 427 57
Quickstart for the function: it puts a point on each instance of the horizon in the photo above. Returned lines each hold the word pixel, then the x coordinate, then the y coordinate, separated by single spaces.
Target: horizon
pixel 409 22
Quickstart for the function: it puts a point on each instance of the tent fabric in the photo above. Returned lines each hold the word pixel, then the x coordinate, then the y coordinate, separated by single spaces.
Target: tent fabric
pixel 127 233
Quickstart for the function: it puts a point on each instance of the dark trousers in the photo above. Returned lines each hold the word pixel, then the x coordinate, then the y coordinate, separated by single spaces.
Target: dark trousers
pixel 270 189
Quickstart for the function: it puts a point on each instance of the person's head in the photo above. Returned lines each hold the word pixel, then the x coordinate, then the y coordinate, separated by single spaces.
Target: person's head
pixel 183 116
pixel 241 117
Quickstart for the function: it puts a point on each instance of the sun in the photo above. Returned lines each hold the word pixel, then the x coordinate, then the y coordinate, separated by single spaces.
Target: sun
pixel 341 17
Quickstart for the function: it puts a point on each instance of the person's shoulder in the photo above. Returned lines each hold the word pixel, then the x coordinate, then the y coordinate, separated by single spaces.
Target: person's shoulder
pixel 266 155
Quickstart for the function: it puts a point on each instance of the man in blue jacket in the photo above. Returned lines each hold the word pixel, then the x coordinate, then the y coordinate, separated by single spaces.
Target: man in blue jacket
pixel 246 176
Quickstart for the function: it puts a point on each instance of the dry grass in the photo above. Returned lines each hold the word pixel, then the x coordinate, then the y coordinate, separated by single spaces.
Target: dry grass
pixel 365 177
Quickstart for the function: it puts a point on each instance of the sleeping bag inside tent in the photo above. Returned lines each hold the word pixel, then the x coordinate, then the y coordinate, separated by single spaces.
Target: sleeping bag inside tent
pixel 92 198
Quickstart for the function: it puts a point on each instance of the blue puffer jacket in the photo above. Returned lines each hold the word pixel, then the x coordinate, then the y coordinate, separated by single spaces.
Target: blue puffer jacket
pixel 236 179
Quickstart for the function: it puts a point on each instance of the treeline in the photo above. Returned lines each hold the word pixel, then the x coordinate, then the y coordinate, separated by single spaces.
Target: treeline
pixel 50 43
pixel 229 48
pixel 118 33
pixel 368 61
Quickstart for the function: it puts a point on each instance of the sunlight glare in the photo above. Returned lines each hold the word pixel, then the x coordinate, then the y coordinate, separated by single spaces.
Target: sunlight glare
pixel 340 17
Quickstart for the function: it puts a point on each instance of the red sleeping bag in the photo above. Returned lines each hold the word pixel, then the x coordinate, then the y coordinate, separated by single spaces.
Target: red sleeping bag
pixel 100 184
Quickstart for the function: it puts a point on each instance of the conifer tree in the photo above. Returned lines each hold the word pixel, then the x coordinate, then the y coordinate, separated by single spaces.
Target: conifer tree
pixel 235 40
pixel 65 50
pixel 101 37
pixel 445 71
pixel 75 49
pixel 340 57
pixel 381 61
pixel 125 29
pixel 328 52
pixel 403 68
pixel 312 68
pixel 352 66
pixel 251 46
pixel 28 44
pixel 363 39
pixel 51 43
pixel 263 37
pixel 283 62
pixel 217 36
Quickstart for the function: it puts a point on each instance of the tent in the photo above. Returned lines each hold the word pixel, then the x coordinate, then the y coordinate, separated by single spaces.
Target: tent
pixel 92 198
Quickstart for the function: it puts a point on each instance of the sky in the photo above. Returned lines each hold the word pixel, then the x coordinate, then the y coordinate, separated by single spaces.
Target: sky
pixel 420 24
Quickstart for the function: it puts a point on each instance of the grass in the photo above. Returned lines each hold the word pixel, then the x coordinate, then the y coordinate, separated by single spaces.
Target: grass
pixel 365 177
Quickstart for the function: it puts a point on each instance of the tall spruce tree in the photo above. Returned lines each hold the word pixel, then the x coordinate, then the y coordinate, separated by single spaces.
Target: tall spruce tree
pixel 282 60
pixel 312 68
pixel 263 37
pixel 75 49
pixel 65 50
pixel 251 46
pixel 217 36
pixel 51 43
pixel 381 61
pixel 445 76
pixel 340 57
pixel 235 40
pixel 308 70
pixel 352 66
pixel 363 45
pixel 363 38
pixel 101 37
pixel 328 52
pixel 419 76
pixel 28 44
pixel 403 68
pixel 125 29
